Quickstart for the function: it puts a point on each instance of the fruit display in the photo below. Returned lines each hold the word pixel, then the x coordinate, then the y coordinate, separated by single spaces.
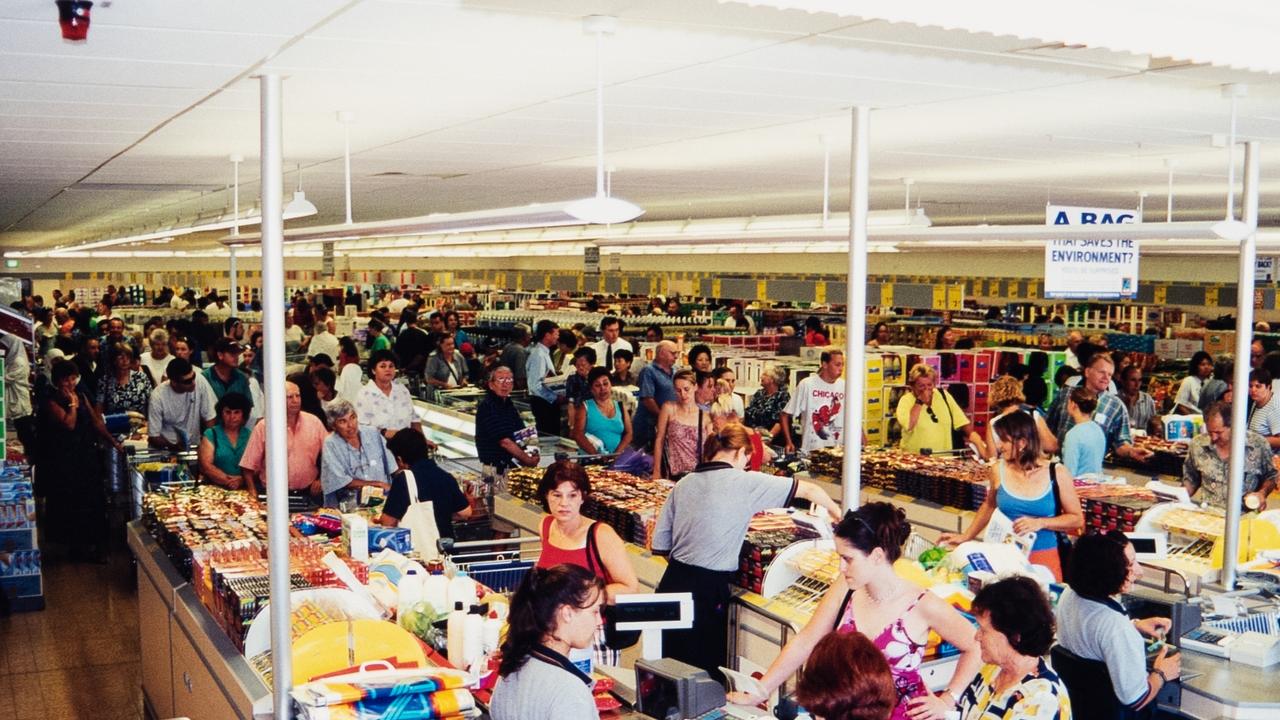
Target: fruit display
pixel 955 482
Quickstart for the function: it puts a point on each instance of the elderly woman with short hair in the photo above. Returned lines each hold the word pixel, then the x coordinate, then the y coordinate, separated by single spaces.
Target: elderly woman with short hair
pixel 765 409
pixel 353 456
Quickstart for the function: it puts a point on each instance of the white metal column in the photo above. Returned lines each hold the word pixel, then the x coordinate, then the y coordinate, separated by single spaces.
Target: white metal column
pixel 235 230
pixel 856 311
pixel 1244 339
pixel 277 467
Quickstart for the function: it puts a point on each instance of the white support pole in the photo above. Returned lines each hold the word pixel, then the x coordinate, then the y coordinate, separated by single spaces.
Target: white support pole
pixel 856 310
pixel 277 467
pixel 235 230
pixel 826 180
pixel 1244 339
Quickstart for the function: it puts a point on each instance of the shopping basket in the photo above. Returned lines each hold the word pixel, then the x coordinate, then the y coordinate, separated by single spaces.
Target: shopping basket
pixel 499 565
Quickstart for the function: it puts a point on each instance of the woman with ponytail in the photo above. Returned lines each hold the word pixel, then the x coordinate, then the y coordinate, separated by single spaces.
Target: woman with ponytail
pixel 554 610
pixel 700 529
pixel 869 597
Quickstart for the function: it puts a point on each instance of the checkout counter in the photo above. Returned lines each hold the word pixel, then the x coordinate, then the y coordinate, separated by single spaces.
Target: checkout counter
pixel 191 667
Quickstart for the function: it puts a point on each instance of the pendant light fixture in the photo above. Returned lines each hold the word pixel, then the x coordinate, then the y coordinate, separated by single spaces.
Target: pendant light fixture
pixel 299 205
pixel 601 209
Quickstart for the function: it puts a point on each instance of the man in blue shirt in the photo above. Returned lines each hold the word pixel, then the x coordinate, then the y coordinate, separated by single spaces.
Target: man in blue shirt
pixel 543 401
pixel 656 387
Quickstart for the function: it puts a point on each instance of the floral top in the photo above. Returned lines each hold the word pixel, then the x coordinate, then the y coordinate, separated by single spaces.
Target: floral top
pixel 1040 696
pixel 1206 470
pixel 764 410
pixel 385 412
pixel 117 398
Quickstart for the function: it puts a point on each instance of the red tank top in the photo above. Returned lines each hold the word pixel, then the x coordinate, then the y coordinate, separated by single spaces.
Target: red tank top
pixel 552 555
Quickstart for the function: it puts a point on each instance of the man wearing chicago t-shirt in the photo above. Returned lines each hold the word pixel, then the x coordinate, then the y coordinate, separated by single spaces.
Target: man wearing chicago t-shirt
pixel 819 403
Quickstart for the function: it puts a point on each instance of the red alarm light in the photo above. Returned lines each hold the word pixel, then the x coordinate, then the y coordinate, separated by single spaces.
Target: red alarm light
pixel 73 16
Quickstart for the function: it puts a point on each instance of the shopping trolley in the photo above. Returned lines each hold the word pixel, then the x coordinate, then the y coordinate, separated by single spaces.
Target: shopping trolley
pixel 499 565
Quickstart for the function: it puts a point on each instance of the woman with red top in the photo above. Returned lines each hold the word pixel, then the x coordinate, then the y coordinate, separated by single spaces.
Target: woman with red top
pixel 569 538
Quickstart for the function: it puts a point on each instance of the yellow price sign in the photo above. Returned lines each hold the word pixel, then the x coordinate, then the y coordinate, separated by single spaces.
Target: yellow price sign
pixel 955 297
pixel 762 289
pixel 1211 297
pixel 886 294
pixel 1160 294
pixel 715 287
pixel 939 297
pixel 820 292
pixel 1033 289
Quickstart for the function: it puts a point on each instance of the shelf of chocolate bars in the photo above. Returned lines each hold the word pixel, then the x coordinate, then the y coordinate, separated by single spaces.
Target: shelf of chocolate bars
pixel 767 535
pixel 1167 456
pixel 1114 507
pixel 626 502
pixel 954 482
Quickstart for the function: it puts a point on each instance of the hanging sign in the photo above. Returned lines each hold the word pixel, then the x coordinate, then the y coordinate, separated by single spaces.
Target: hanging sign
pixel 1090 268
pixel 1264 269
pixel 591 259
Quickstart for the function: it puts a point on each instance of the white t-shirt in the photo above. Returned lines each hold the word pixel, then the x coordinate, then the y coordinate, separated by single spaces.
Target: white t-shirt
pixel 157 366
pixel 350 381
pixel 1189 391
pixel 819 407
pixel 324 343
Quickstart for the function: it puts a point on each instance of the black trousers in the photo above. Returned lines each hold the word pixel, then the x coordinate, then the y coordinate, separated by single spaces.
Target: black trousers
pixel 706 644
pixel 546 415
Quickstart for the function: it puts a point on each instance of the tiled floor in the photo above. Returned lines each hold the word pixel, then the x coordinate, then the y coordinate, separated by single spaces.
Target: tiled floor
pixel 79 657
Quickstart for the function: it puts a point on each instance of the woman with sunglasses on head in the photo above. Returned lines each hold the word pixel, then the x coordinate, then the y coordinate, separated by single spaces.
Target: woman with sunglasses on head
pixel 700 531
pixel 1023 488
pixel 869 597
pixel 929 415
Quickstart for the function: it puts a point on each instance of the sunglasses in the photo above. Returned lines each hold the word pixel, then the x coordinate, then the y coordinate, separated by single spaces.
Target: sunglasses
pixel 853 514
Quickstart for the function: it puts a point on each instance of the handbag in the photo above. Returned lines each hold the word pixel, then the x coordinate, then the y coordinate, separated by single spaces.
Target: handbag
pixel 613 637
pixel 420 518
pixel 1065 545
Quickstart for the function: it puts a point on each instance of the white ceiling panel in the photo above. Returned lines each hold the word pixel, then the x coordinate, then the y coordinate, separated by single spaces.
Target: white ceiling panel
pixel 711 109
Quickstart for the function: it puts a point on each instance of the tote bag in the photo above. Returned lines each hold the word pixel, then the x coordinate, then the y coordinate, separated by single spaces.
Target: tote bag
pixel 420 518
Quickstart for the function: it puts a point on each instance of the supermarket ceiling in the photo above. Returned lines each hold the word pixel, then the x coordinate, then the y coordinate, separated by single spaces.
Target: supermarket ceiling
pixel 713 109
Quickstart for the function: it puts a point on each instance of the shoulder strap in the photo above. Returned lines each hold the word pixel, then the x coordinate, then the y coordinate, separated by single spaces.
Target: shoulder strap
pixel 844 605
pixel 946 402
pixel 1053 482
pixel 594 561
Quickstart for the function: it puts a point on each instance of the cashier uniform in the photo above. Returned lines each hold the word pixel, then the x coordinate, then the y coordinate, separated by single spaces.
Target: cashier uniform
pixel 700 529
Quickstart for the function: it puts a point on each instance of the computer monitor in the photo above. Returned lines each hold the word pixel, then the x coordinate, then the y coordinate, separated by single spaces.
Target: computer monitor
pixel 667 689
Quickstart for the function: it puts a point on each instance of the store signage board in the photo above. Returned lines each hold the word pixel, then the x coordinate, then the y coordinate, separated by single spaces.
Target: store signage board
pixel 591 260
pixel 1090 268
pixel 1265 270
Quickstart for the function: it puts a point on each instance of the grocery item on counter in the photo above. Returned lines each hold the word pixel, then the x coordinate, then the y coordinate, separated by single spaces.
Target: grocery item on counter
pixel 950 481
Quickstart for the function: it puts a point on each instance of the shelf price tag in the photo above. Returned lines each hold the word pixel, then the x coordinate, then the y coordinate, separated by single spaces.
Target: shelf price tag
pixel 1033 289
pixel 820 292
pixel 955 297
pixel 1161 292
pixel 939 297
pixel 715 287
pixel 1211 297
pixel 886 294
pixel 762 289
